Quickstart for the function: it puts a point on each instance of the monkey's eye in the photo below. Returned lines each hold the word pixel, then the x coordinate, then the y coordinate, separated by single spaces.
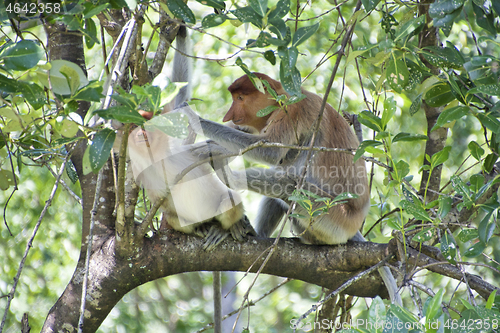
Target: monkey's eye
pixel 240 97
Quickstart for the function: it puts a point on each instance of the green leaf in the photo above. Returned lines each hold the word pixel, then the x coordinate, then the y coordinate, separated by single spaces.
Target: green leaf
pixel 267 110
pixel 72 78
pixel 93 10
pixel 181 10
pixel 489 121
pixel 397 74
pixel 484 19
pixel 475 250
pixel 440 157
pixel 302 34
pixel 476 182
pixel 449 248
pixel 90 93
pixel 282 8
pixel 290 78
pixel 402 170
pixel 489 162
pixel 370 120
pixel 475 150
pixel 34 94
pixel 466 235
pixel 6 179
pixel 462 189
pixel 68 128
pixel 213 20
pixel 172 124
pixel 442 7
pixel 482 70
pixel 248 15
pixel 58 80
pixel 8 86
pixel 266 39
pixel 408 137
pixel 370 4
pixel 486 229
pixel 434 306
pixel 100 148
pixel 491 299
pixel 450 115
pixel 424 235
pixel 260 6
pixel 416 210
pixel 445 204
pixel 344 196
pixel 439 95
pixel 153 97
pixel 90 33
pixel 217 4
pixel 278 27
pixel 415 105
pixel 23 55
pixel 86 168
pixel 71 172
pixel 487 89
pixel 377 312
pixel 416 76
pixel 409 27
pixel 390 108
pixel 447 57
pixel 269 55
pixel 295 99
pixel 363 146
pixel 122 114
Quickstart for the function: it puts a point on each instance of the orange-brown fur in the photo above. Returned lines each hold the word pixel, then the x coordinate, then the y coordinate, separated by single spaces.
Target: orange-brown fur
pixel 293 126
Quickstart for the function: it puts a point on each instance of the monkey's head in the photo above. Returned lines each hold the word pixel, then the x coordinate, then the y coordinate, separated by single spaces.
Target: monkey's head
pixel 247 101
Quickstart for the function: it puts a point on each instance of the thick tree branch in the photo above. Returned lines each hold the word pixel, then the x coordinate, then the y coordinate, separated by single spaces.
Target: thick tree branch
pixel 170 253
pixel 111 276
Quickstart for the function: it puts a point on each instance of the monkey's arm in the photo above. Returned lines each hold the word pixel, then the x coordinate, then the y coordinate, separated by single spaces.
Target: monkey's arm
pixel 233 139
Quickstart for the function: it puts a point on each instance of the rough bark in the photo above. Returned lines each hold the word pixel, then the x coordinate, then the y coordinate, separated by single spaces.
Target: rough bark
pixel 437 138
pixel 111 277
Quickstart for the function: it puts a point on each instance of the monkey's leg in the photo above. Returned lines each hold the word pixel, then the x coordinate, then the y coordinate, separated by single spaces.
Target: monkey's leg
pixel 271 210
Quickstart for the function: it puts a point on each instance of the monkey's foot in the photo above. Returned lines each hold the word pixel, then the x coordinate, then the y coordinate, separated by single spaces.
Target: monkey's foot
pixel 241 229
pixel 212 234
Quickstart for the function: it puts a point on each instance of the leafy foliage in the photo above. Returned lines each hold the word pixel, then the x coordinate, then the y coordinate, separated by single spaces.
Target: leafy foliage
pixel 385 64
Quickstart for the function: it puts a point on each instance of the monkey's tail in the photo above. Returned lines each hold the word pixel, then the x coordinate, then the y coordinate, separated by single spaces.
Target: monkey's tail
pixel 182 66
pixel 386 274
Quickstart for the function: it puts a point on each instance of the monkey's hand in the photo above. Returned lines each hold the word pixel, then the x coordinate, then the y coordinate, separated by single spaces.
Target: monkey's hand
pixel 241 229
pixel 193 118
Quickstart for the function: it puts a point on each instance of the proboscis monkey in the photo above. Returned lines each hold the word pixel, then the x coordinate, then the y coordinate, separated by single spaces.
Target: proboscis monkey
pixel 332 172
pixel 200 197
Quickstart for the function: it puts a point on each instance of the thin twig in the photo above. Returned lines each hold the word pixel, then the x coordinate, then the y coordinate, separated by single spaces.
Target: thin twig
pixel 10 296
pixel 66 187
pixel 248 304
pixel 343 287
pixel 93 214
